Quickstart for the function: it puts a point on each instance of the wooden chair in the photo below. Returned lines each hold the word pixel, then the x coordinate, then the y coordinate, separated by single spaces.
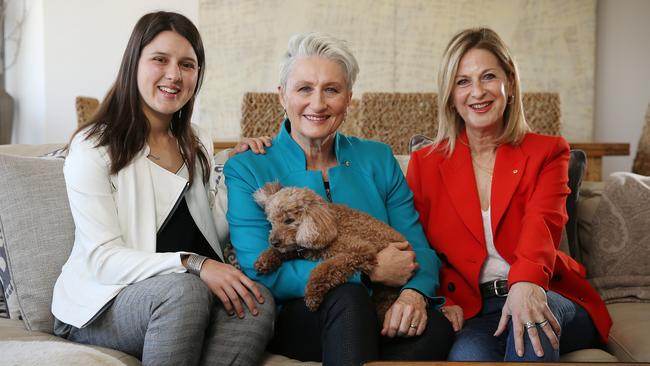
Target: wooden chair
pixel 394 117
pixel 352 124
pixel 641 163
pixel 542 111
pixel 262 114
pixel 86 107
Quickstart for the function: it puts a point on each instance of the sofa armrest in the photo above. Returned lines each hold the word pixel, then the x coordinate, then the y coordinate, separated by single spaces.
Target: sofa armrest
pixel 29 150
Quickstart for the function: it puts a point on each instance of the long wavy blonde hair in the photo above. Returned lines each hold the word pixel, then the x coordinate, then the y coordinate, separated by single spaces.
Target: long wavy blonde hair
pixel 450 123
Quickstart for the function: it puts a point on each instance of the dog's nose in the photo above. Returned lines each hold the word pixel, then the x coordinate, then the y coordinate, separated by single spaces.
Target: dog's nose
pixel 275 243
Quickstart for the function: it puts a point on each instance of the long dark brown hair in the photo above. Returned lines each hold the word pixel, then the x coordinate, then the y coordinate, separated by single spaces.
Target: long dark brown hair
pixel 120 123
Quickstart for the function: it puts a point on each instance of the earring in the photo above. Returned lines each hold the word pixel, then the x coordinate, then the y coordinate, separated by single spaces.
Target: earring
pixel 285 114
pixel 511 99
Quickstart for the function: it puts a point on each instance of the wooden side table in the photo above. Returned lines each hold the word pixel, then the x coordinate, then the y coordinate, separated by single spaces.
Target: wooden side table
pixel 595 152
pixel 222 145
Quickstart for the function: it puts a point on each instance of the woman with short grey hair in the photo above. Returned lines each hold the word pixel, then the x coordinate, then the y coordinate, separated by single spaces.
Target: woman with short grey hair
pixel 323 45
pixel 316 80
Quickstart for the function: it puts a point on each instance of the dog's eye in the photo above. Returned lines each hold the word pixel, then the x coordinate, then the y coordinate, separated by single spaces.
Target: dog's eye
pixel 289 221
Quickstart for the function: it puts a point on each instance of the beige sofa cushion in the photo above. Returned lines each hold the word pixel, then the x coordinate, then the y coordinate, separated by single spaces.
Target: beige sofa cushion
pixel 588 355
pixel 628 339
pixel 616 261
pixel 19 150
pixel 38 232
pixel 29 150
pixel 18 346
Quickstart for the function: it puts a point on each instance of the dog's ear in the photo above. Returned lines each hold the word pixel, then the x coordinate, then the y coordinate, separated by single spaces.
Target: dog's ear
pixel 317 228
pixel 263 194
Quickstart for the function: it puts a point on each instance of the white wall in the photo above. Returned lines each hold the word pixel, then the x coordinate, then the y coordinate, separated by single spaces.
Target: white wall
pixel 25 77
pixel 71 48
pixel 622 76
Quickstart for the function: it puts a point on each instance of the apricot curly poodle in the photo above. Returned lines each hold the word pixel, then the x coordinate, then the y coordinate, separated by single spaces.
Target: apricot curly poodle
pixel 304 225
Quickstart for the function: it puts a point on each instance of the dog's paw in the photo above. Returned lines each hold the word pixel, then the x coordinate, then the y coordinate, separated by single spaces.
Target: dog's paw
pixel 313 298
pixel 312 303
pixel 263 267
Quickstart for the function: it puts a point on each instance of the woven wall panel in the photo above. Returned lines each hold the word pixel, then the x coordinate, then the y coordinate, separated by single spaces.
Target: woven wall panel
pixel 398 44
pixel 542 111
pixel 394 117
pixel 262 114
pixel 86 107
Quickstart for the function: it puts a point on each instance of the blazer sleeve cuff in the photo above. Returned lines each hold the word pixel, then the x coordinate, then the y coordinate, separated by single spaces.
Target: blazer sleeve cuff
pixel 532 273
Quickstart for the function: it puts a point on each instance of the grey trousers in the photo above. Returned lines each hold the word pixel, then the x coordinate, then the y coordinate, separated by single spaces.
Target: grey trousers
pixel 176 320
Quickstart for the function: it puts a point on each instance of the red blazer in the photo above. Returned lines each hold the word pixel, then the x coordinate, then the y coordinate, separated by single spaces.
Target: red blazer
pixel 528 208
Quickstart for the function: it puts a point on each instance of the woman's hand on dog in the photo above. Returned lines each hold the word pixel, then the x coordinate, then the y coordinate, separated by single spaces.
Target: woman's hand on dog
pixel 407 317
pixel 395 265
pixel 231 286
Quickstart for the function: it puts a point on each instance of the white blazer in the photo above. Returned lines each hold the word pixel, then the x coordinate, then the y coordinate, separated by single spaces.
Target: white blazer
pixel 116 221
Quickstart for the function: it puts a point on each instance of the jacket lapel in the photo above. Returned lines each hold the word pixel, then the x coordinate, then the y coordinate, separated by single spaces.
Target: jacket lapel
pixel 508 170
pixel 460 183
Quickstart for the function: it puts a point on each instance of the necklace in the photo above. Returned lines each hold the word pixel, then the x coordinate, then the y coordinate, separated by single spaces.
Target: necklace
pixel 487 169
pixel 154 157
pixel 484 180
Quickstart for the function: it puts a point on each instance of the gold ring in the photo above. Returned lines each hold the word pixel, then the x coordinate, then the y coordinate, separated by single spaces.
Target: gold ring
pixel 529 324
pixel 414 326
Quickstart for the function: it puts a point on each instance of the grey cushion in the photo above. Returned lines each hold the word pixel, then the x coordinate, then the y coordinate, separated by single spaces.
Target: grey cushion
pixel 3 306
pixel 8 302
pixel 4 271
pixel 419 141
pixel 38 232
pixel 617 260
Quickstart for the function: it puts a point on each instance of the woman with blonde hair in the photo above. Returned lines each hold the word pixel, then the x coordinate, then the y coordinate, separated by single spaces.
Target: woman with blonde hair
pixel 491 197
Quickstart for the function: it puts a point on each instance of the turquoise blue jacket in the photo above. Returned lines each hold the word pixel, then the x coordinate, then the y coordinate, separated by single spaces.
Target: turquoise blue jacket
pixel 367 178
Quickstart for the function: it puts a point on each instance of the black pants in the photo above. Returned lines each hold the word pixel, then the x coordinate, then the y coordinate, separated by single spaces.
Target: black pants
pixel 345 331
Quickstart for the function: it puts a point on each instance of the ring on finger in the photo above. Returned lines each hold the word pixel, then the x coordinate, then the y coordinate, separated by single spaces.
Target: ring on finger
pixel 529 324
pixel 413 325
pixel 542 324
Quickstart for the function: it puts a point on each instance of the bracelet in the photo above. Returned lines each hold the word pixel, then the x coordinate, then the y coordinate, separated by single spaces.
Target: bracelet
pixel 194 263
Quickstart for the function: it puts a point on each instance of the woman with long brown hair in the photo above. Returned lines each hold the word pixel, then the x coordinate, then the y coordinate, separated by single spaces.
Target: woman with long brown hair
pixel 147 210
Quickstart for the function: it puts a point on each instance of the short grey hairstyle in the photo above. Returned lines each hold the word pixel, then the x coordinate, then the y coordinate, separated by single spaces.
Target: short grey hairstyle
pixel 323 45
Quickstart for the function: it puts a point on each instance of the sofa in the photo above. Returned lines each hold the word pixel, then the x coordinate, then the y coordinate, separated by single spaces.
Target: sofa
pixel 36 234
